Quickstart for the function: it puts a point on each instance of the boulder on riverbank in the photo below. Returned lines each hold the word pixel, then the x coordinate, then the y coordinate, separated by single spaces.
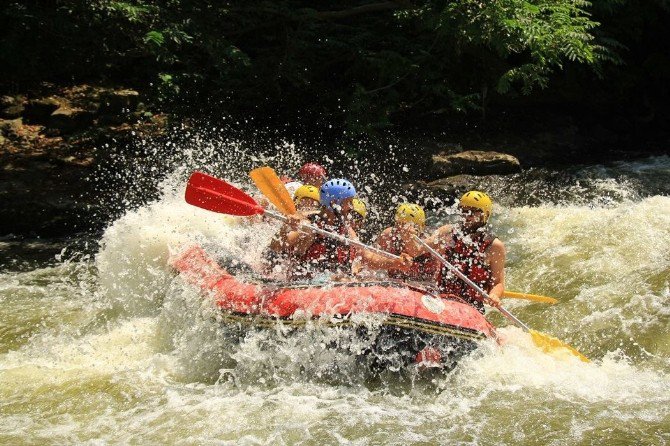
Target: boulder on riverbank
pixel 452 187
pixel 38 111
pixel 115 102
pixel 48 153
pixel 474 162
pixel 69 120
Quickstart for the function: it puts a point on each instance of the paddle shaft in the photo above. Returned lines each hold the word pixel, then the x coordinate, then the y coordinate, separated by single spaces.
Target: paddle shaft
pixel 274 189
pixel 474 286
pixel 333 235
pixel 506 294
pixel 531 297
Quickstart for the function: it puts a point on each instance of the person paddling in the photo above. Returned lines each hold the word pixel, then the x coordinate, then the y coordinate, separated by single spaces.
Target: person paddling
pixel 292 187
pixel 306 199
pixel 312 174
pixel 410 220
pixel 313 253
pixel 275 257
pixel 359 214
pixel 473 249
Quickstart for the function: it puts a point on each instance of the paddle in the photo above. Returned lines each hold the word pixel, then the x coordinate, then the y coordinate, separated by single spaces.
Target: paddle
pixel 274 190
pixel 545 342
pixel 506 295
pixel 208 192
pixel 213 194
pixel 528 296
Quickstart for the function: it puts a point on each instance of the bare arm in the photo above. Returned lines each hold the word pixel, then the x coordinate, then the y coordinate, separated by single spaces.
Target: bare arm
pixel 496 258
pixel 297 242
pixel 384 241
pixel 290 239
pixel 375 261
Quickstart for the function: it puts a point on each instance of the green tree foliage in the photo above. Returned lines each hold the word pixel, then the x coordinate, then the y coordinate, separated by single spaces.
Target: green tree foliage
pixel 360 63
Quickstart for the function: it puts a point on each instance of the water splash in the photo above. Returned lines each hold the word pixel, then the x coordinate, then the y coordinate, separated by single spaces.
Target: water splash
pixel 117 349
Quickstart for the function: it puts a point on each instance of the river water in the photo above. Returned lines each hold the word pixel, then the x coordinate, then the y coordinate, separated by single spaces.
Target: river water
pixel 101 343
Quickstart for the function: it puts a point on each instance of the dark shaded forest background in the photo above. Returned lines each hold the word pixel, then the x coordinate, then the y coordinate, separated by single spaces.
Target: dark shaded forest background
pixel 362 67
pixel 85 84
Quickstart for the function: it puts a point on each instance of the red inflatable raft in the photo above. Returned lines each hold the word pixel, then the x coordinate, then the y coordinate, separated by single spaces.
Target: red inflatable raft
pixel 417 325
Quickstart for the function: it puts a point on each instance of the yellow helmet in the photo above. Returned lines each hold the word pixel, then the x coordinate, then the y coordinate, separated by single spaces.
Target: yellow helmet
pixel 477 200
pixel 306 191
pixel 359 207
pixel 411 213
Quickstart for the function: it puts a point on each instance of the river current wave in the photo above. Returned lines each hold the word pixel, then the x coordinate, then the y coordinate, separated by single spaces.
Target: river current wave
pixel 109 346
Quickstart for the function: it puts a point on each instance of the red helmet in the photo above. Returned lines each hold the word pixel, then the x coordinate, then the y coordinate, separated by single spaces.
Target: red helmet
pixel 312 171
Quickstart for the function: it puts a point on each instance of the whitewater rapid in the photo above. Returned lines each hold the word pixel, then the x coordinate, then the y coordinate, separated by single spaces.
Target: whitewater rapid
pixel 114 348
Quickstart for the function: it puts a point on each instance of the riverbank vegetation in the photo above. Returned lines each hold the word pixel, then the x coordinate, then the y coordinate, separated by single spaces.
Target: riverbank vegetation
pixel 84 84
pixel 360 66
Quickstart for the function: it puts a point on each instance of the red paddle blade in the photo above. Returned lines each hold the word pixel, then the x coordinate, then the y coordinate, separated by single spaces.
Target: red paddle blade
pixel 213 194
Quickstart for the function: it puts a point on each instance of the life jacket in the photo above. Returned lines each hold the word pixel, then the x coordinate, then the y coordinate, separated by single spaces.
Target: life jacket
pixel 467 252
pixel 423 267
pixel 325 254
pixel 274 261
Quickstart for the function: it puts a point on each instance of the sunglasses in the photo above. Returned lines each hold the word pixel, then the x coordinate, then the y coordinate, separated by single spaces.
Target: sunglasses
pixel 469 211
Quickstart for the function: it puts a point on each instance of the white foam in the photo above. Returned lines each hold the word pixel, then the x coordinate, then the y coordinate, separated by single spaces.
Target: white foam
pixel 160 368
pixel 133 259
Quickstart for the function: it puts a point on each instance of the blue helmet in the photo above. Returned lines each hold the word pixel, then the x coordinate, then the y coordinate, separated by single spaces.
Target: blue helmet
pixel 336 190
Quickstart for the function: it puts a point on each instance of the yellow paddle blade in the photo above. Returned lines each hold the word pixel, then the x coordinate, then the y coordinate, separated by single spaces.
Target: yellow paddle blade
pixel 273 188
pixel 527 296
pixel 549 344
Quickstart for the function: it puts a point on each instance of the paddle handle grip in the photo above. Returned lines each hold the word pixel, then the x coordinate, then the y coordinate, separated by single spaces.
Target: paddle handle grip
pixel 338 237
pixel 474 286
